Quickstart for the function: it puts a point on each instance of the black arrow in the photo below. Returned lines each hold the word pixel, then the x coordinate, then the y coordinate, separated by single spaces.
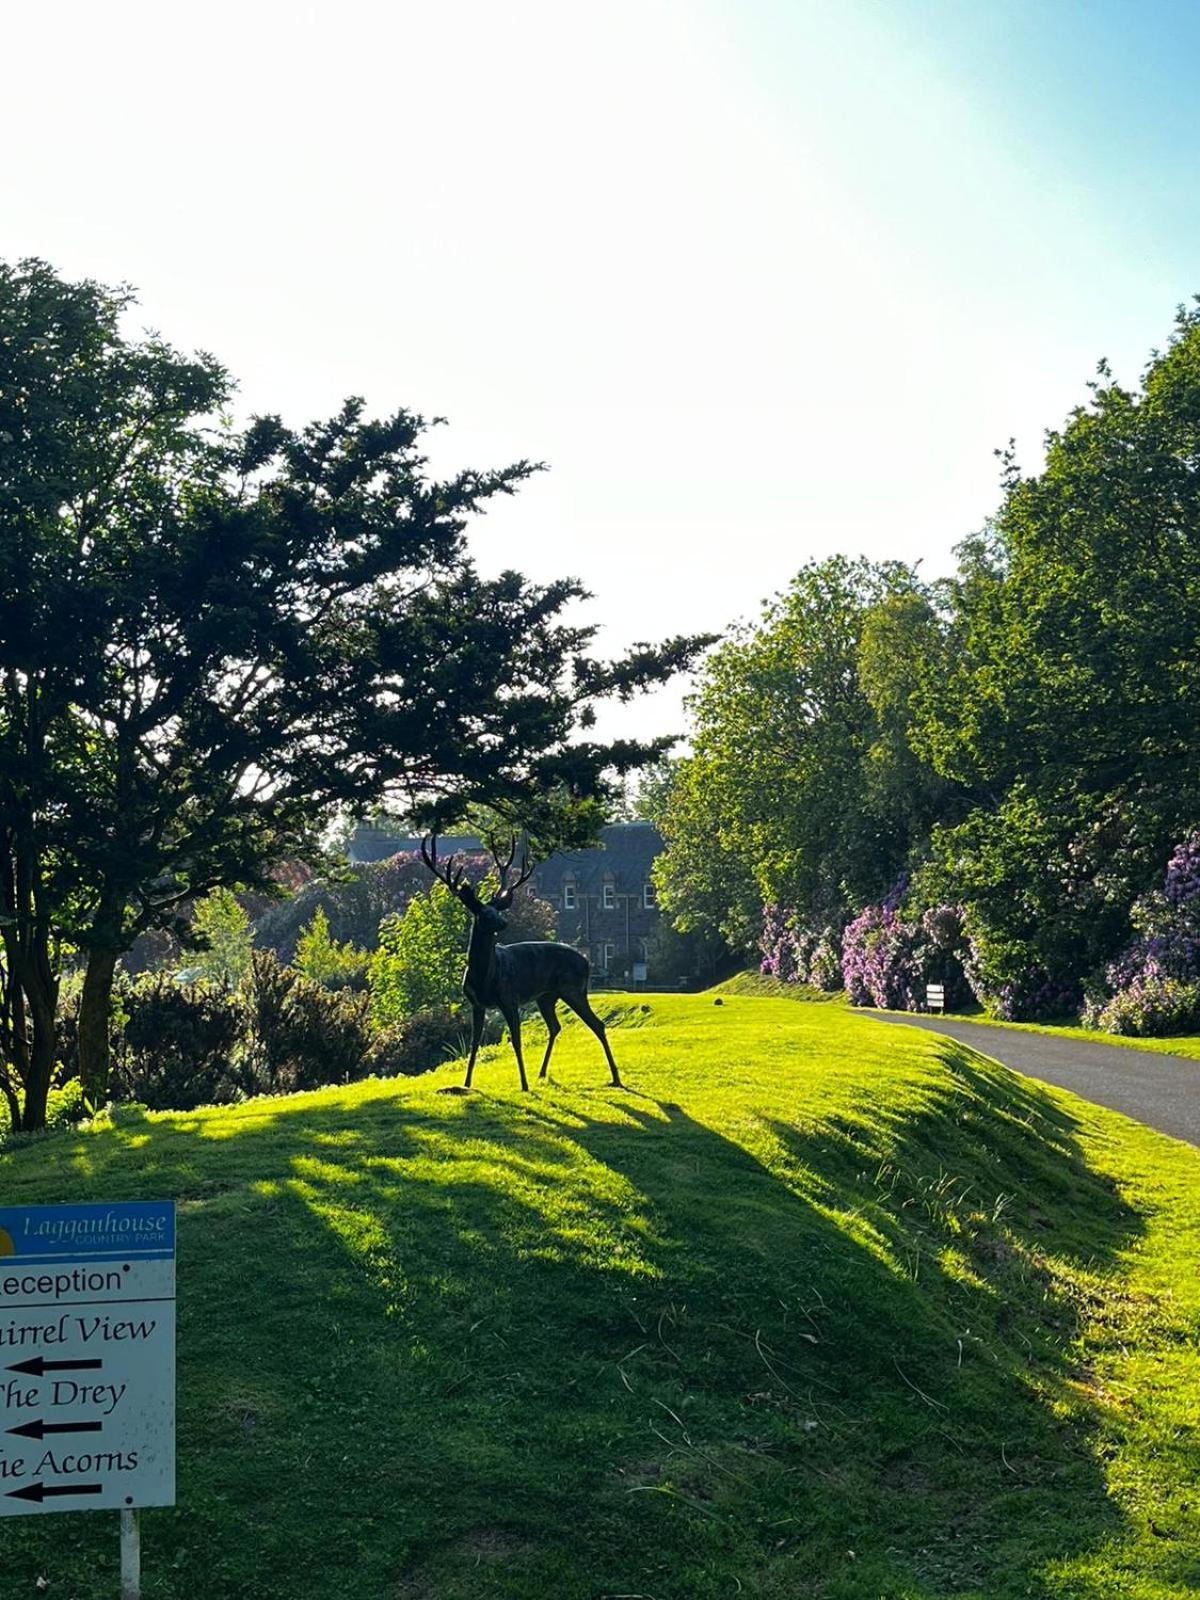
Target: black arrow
pixel 38 1429
pixel 43 1491
pixel 39 1365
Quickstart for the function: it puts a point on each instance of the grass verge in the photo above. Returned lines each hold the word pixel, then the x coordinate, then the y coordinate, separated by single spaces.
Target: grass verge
pixel 812 1308
pixel 1187 1045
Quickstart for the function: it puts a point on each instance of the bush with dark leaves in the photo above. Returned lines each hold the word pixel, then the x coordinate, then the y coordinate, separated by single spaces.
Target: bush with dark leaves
pixel 177 1048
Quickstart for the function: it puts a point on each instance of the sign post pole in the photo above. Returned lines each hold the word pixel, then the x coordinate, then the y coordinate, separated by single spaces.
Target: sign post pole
pixel 87 1363
pixel 131 1556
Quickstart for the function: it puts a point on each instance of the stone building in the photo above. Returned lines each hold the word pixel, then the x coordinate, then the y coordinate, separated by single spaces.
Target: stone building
pixel 603 898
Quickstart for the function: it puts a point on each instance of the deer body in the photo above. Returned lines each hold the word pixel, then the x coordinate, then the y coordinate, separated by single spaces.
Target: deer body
pixel 509 976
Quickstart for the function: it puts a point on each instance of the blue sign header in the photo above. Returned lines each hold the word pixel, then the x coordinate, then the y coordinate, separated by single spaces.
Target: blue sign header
pixel 141 1228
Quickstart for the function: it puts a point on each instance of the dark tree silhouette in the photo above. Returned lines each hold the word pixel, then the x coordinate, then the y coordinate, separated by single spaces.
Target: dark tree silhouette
pixel 212 638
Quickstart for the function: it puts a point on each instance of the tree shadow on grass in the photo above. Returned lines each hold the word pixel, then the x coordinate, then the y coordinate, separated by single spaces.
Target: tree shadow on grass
pixel 585 1345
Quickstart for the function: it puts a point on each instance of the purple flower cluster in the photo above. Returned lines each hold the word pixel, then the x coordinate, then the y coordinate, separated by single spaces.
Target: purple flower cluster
pixel 879 964
pixel 887 959
pixel 1182 884
pixel 881 958
pixel 1032 997
pixel 1147 1007
pixel 794 953
pixel 1153 986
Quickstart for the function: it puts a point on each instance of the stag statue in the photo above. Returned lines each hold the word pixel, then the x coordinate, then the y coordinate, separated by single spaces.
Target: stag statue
pixel 509 976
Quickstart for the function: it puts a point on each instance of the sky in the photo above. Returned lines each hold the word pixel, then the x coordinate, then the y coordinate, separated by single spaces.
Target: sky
pixel 759 280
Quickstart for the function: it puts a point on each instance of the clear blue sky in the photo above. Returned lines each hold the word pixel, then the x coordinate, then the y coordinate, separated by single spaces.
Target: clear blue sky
pixel 760 279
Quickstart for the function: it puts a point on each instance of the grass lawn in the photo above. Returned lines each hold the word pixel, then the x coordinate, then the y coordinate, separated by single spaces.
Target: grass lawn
pixel 812 1308
pixel 753 983
pixel 1184 1044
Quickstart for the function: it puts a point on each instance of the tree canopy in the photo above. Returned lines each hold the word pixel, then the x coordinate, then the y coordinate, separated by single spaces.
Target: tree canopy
pixel 1009 753
pixel 212 637
pixel 790 792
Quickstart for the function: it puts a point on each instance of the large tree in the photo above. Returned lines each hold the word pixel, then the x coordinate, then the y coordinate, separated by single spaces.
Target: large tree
pixel 1064 694
pixel 211 638
pixel 794 791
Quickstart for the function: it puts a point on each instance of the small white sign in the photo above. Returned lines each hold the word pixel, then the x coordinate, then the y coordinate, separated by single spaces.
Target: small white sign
pixel 87 1357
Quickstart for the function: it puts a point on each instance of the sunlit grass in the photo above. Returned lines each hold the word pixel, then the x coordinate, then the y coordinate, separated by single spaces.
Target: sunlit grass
pixel 1179 1044
pixel 811 1308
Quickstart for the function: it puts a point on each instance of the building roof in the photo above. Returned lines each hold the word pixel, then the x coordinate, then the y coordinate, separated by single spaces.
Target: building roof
pixel 624 855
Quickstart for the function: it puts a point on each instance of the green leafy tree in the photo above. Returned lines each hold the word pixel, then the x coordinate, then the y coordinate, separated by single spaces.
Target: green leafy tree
pixel 221 930
pixel 419 962
pixel 1064 694
pixel 780 800
pixel 212 641
pixel 320 958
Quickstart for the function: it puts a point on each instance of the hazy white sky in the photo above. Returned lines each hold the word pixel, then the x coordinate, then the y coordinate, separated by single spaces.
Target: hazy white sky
pixel 759 279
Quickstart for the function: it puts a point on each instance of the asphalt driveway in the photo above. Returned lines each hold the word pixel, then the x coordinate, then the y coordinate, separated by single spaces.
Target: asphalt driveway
pixel 1161 1091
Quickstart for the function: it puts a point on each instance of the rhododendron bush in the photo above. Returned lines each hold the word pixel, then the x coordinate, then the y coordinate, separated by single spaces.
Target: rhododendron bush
pixel 1153 986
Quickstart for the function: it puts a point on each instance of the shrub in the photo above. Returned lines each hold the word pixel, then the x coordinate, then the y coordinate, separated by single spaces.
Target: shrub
pixel 795 953
pixel 879 963
pixel 425 1040
pixel 419 962
pixel 888 959
pixel 221 929
pixel 1148 988
pixel 1148 1007
pixel 298 1034
pixel 177 1047
pixel 320 958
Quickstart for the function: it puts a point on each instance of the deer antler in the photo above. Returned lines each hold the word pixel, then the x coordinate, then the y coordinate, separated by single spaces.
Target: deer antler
pixel 451 877
pixel 505 867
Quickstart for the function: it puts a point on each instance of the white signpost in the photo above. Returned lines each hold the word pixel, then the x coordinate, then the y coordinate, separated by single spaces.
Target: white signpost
pixel 87 1362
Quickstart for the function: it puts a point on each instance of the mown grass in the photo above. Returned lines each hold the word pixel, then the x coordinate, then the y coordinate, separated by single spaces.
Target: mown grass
pixel 1183 1044
pixel 764 988
pixel 754 983
pixel 812 1308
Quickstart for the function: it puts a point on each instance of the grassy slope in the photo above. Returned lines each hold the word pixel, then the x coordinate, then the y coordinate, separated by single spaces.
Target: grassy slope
pixel 814 1308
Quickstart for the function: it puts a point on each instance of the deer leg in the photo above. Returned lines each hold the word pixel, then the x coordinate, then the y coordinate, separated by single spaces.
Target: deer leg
pixel 553 1026
pixel 581 1006
pixel 477 1016
pixel 513 1017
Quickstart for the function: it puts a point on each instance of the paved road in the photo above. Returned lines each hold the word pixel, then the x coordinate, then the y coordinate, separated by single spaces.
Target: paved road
pixel 1161 1091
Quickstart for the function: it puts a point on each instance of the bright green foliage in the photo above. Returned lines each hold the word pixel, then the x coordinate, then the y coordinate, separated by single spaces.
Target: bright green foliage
pixel 796 790
pixel 224 927
pixel 1064 695
pixel 817 1308
pixel 420 958
pixel 322 959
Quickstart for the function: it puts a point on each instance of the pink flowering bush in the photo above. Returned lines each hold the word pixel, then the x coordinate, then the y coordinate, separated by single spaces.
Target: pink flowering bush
pixel 794 953
pixel 1149 1007
pixel 888 959
pixel 1153 986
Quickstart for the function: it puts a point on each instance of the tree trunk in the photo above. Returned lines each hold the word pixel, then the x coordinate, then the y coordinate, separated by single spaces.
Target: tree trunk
pixel 37 1090
pixel 95 1007
pixel 40 992
pixel 13 1101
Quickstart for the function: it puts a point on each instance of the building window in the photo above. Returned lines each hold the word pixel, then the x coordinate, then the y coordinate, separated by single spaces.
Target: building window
pixel 610 896
pixel 650 897
pixel 569 902
pixel 610 951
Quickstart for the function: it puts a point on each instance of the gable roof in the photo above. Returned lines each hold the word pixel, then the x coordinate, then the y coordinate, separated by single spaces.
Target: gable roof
pixel 624 855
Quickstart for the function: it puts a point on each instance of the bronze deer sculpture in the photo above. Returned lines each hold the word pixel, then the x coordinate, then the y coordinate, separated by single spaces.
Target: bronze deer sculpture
pixel 509 976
